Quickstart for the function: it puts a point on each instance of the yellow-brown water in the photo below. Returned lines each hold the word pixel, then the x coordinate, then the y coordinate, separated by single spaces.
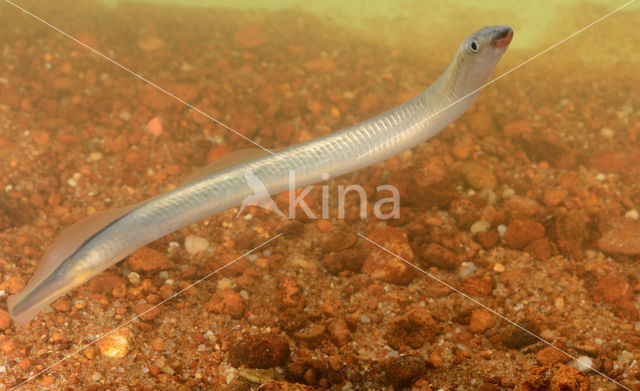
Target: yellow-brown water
pixel 551 146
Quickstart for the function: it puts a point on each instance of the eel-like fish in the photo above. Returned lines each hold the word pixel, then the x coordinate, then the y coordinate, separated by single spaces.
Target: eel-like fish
pixel 101 240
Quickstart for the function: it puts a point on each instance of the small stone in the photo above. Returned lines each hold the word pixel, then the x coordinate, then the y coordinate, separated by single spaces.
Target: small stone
pixel 621 235
pixel 479 226
pixel 5 320
pixel 478 176
pixel 584 363
pixel 62 305
pixel 289 294
pixel 134 278
pixel 311 334
pixel 281 385
pixel 195 244
pixel 480 123
pixel 553 196
pixel 228 302
pixel 481 320
pixel 540 248
pixel 435 359
pixel 260 351
pixel 339 331
pixel 439 256
pixel 146 259
pixel 554 377
pixel 90 352
pixel 385 266
pixel 516 128
pixel 146 311
pixel 413 329
pixel 25 364
pixel 498 268
pixel 520 233
pixel 157 344
pixel 614 289
pixel 607 132
pixel 476 286
pixel 403 371
pixel 632 215
pixel 116 344
pixel 550 355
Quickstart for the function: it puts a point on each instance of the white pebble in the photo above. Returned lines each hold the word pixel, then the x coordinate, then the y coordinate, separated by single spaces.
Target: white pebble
pixel 95 156
pixel 195 244
pixel 364 318
pixel 632 214
pixel 467 269
pixel 502 229
pixel 582 363
pixel 224 283
pixel 625 357
pixel 71 182
pixel 479 226
pixel 637 326
pixel 134 278
pixel 607 132
pixel 508 193
pixel 601 177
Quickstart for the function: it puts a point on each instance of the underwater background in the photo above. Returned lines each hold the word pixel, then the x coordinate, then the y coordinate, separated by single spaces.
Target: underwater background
pixel 529 203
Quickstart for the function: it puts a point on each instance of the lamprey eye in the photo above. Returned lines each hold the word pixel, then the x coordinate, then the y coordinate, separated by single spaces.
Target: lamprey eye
pixel 474 46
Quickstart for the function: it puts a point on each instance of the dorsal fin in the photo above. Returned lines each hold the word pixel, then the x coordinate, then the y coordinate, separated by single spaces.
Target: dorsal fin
pixel 226 161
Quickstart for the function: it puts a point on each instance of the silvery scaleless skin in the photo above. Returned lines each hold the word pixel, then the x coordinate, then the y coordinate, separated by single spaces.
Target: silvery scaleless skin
pixel 92 245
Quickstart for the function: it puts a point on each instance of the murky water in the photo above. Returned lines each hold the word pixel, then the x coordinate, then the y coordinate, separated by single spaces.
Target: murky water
pixel 524 210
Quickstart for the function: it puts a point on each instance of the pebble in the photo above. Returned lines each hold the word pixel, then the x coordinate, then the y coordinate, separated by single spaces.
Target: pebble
pixel 384 266
pixel 134 278
pixel 281 385
pixel 439 256
pixel 228 302
pixel 614 289
pixel 146 259
pixel 5 320
pixel 582 363
pixel 550 355
pixel 260 351
pixel 498 268
pixel 146 311
pixel 621 235
pixel 607 132
pixel 195 244
pixel 556 377
pixel 481 320
pixel 116 344
pixel 516 128
pixel 632 215
pixel 479 226
pixel 403 371
pixel 413 329
pixel 520 233
pixel 479 176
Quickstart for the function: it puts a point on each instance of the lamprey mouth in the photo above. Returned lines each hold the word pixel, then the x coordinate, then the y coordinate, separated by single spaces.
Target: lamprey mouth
pixel 503 38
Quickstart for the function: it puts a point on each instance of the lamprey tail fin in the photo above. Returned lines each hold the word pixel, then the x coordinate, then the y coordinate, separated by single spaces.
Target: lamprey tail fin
pixel 66 244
